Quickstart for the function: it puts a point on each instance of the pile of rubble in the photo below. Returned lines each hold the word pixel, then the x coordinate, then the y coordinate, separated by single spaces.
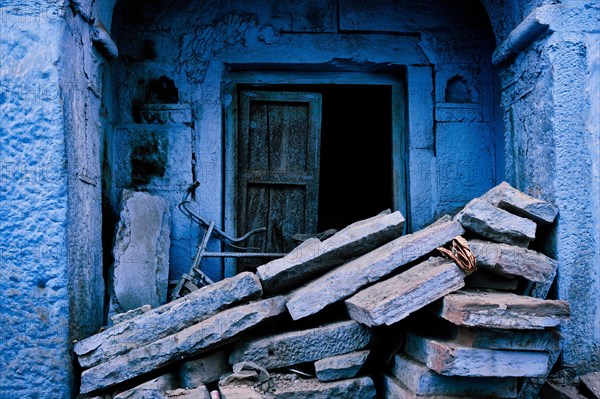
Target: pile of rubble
pixel 365 313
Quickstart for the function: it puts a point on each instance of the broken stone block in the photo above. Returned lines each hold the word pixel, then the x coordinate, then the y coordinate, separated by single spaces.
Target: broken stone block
pixel 196 393
pixel 451 359
pixel 362 388
pixel 140 272
pixel 592 382
pixel 341 366
pixel 198 338
pixel 506 197
pixel 484 280
pixel 315 257
pixel 394 299
pixel 167 319
pixel 422 381
pixel 345 280
pixel 496 224
pixel 130 314
pixel 239 392
pixel 203 370
pixel 511 260
pixel 502 310
pixel 153 389
pixel 290 348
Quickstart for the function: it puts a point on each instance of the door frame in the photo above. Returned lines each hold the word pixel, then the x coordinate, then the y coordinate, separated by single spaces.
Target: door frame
pixel 272 79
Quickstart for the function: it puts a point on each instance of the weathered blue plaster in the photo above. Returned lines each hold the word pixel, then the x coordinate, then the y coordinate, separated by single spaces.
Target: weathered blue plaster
pixel 552 152
pixel 34 277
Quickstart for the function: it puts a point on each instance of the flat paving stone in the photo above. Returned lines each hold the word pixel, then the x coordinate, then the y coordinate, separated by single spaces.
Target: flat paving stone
pixel 290 348
pixel 394 299
pixel 502 310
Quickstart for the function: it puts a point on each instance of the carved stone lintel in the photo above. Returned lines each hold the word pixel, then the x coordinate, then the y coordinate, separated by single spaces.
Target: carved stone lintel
pixel 458 112
pixel 163 113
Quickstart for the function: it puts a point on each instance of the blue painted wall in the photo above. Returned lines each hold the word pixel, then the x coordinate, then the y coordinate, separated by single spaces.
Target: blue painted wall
pixel 58 102
pixel 198 45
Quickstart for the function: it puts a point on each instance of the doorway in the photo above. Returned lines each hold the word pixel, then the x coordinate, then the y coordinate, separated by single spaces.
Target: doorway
pixel 312 158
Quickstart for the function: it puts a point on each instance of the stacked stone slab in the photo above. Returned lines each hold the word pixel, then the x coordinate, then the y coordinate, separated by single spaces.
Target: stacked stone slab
pixel 494 338
pixel 311 319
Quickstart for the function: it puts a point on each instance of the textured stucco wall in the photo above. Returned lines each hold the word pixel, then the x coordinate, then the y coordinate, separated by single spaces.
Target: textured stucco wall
pixel 550 96
pixel 34 276
pixel 196 44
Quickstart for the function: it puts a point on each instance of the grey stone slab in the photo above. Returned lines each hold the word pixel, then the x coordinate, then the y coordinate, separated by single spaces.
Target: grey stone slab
pixel 154 389
pixel 394 299
pixel 304 346
pixel 200 392
pixel 167 319
pixel 200 337
pixel 511 260
pixel 592 383
pixel 502 310
pixel 315 258
pixel 485 280
pixel 394 389
pixel 422 381
pixel 362 388
pixel 140 272
pixel 130 314
pixel 506 197
pixel 489 338
pixel 341 366
pixel 345 280
pixel 238 392
pixel 452 359
pixel 203 370
pixel 496 224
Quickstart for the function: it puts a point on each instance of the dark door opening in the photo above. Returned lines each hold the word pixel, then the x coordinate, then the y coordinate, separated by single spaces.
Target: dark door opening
pixel 355 147
pixel 356 154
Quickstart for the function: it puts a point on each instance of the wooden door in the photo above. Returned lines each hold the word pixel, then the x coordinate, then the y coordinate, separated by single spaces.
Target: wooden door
pixel 278 166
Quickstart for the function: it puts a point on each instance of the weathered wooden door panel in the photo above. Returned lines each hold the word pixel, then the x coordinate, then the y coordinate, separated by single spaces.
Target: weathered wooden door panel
pixel 278 166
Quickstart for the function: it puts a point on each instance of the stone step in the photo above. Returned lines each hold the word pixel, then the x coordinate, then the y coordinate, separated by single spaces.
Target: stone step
pixel 345 280
pixel 515 261
pixel 502 310
pixel 167 319
pixel 198 338
pixel 394 299
pixel 496 224
pixel 315 258
pixel 451 359
pixel 341 366
pixel 506 197
pixel 422 381
pixel 290 348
